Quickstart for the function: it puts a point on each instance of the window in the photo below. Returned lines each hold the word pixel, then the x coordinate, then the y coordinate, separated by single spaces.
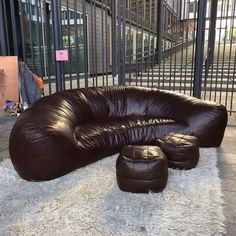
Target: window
pixel 191 7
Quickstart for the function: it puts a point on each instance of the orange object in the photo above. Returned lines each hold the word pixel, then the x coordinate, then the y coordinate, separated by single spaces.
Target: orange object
pixel 39 81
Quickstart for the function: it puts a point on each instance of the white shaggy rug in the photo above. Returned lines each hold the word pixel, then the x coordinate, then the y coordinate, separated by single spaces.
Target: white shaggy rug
pixel 89 202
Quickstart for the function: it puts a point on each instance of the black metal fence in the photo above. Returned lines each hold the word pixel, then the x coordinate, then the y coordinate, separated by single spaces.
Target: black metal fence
pixel 42 27
pixel 187 46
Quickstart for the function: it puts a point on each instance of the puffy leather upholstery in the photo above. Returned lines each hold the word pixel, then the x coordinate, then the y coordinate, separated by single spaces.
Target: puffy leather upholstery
pixel 181 150
pixel 140 169
pixel 70 129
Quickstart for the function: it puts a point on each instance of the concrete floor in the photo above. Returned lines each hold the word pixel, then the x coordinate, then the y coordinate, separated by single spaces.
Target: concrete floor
pixel 226 164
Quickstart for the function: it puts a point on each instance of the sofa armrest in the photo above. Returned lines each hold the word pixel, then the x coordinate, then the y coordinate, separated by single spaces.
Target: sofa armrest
pixel 205 120
pixel 208 122
pixel 39 139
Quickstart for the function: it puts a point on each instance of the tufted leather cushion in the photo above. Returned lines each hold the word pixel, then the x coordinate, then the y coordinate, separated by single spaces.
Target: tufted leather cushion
pixel 141 169
pixel 70 129
pixel 181 150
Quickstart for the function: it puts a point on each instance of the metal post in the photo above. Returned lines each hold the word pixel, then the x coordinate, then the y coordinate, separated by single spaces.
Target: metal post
pixel 114 49
pixel 160 22
pixel 13 25
pixel 56 40
pixel 85 43
pixel 119 54
pixel 211 37
pixel 3 44
pixel 212 30
pixel 123 49
pixel 200 49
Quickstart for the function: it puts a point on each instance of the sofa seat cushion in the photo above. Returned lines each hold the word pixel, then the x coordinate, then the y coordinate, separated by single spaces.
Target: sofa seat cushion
pixel 113 134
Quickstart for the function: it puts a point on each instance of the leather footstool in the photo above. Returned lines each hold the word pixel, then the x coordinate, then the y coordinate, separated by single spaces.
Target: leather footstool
pixel 182 151
pixel 140 169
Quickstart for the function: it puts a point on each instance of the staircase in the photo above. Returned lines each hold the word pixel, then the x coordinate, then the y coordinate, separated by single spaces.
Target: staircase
pixel 179 77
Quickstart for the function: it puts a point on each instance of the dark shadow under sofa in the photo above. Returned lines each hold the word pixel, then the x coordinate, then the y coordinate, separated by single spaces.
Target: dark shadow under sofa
pixel 70 129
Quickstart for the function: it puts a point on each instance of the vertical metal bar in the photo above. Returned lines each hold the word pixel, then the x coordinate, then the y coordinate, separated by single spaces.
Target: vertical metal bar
pixel 56 39
pixel 211 36
pixel 102 15
pixel 130 44
pixel 69 41
pixel 233 84
pixel 142 38
pixel 200 45
pixel 171 52
pixel 177 29
pixel 119 40
pixel 81 36
pixel 85 43
pixel 223 57
pixel 182 45
pixel 76 44
pixel 114 42
pixel 92 41
pixel 149 42
pixel 159 31
pixel 6 28
pixel 31 39
pixel 95 42
pixel 14 29
pixel 154 27
pixel 3 43
pixel 186 57
pixel 107 45
pixel 123 40
pixel 39 36
pixel 43 38
pixel 194 48
pixel 93 5
pixel 47 41
pixel 164 48
pixel 218 51
pixel 143 20
pixel 61 19
pixel 230 51
pixel 137 44
pixel 22 31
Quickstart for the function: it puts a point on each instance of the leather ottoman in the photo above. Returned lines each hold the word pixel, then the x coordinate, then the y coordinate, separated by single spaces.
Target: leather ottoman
pixel 182 151
pixel 140 169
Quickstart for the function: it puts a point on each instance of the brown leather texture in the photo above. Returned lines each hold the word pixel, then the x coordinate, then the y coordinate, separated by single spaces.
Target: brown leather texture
pixel 141 169
pixel 182 151
pixel 67 130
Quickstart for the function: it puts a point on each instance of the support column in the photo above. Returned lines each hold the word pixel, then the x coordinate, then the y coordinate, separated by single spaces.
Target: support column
pixel 3 44
pixel 56 40
pixel 160 23
pixel 114 35
pixel 13 27
pixel 199 49
pixel 212 33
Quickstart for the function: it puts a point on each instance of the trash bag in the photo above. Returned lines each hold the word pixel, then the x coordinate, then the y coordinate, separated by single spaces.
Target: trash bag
pixel 10 108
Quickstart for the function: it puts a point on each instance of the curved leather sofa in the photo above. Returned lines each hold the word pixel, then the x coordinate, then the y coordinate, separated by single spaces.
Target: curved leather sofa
pixel 70 129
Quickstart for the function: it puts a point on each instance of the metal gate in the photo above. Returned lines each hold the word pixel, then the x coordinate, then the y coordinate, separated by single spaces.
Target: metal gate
pixel 187 46
pixel 36 30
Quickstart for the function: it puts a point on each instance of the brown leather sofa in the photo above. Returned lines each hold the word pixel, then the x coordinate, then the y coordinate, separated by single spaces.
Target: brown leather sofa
pixel 70 129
